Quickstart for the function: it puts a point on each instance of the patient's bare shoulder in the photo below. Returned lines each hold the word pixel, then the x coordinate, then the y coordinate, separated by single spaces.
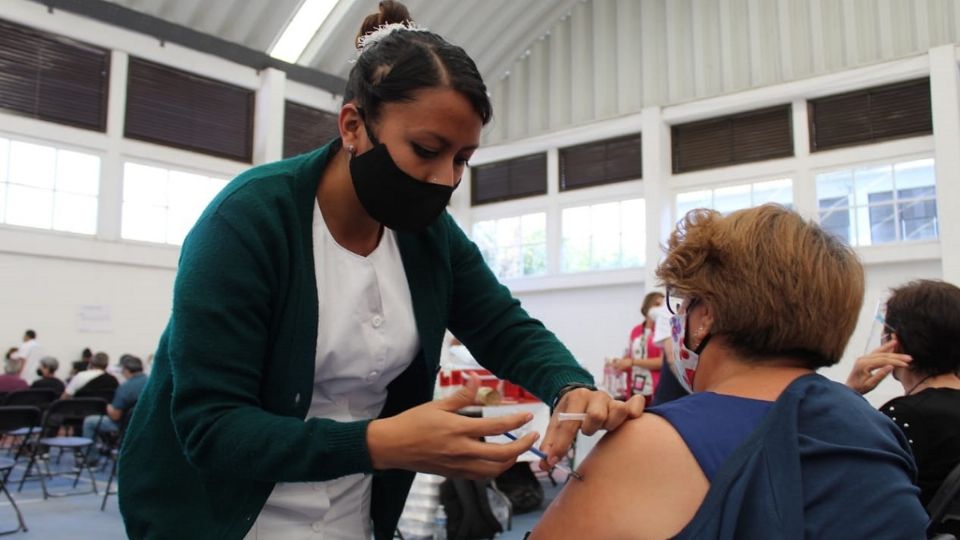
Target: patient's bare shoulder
pixel 641 481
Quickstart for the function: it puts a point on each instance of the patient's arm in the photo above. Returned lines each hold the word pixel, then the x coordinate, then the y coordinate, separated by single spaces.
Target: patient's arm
pixel 641 481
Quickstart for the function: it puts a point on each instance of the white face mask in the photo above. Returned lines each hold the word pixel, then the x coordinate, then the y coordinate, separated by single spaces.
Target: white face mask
pixel 656 311
pixel 685 361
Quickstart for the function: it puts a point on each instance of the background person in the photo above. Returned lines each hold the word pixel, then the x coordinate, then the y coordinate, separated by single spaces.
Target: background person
pixel 47 372
pixel 126 397
pixel 30 352
pixel 644 358
pixel 10 380
pixel 94 377
pixel 922 323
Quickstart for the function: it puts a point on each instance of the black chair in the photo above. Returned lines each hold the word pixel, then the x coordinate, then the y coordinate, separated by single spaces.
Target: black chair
pixel 33 397
pixel 944 507
pixel 12 418
pixel 59 413
pixel 115 452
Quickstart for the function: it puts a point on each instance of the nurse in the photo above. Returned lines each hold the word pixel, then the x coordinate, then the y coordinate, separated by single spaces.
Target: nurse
pixel 290 395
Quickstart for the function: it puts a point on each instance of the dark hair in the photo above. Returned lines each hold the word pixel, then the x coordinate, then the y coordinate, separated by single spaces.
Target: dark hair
pixel 131 363
pixel 394 67
pixel 31 334
pixel 925 315
pixel 87 353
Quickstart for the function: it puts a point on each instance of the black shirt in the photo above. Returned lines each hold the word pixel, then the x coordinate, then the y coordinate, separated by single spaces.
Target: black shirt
pixel 54 384
pixel 931 421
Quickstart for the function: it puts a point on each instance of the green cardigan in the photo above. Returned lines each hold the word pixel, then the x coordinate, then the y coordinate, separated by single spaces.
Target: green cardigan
pixel 222 417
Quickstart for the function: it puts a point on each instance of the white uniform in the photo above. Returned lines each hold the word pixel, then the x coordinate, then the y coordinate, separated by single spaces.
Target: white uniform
pixel 31 352
pixel 367 336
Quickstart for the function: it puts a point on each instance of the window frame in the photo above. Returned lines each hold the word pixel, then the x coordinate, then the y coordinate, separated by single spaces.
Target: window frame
pixel 891 161
pixel 57 146
pixel 168 167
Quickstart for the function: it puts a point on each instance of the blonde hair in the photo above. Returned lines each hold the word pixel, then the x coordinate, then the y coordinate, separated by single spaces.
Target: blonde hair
pixel 777 285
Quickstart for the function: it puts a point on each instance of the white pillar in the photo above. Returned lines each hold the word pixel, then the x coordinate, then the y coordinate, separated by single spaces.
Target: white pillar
pixel 657 196
pixel 945 103
pixel 110 199
pixel 804 184
pixel 268 121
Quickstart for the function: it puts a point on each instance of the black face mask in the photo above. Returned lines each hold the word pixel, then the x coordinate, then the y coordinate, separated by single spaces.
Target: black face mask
pixel 393 197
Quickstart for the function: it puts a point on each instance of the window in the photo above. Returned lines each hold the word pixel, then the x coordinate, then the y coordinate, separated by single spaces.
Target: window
pixel 879 204
pixel 730 198
pixel 602 162
pixel 306 128
pixel 514 246
pixel 875 114
pixel 48 188
pixel 161 205
pixel 604 236
pixel 511 179
pixel 731 140
pixel 53 78
pixel 175 108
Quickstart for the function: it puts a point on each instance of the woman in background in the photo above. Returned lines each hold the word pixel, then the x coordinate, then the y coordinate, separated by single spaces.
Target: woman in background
pixel 644 358
pixel 919 349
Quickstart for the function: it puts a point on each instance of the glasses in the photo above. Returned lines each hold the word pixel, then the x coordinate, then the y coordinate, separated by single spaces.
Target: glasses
pixel 887 333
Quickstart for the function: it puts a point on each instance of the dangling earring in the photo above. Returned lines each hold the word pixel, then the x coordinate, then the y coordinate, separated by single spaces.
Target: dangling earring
pixel 352 150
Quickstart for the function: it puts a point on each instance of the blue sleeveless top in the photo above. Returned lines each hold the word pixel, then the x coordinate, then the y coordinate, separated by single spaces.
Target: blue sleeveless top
pixel 713 425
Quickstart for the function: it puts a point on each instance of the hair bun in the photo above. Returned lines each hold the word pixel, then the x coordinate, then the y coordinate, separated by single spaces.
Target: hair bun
pixel 391 12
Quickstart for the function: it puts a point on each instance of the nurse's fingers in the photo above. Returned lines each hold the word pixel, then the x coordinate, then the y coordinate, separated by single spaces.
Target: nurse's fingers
pixel 500 451
pixel 483 427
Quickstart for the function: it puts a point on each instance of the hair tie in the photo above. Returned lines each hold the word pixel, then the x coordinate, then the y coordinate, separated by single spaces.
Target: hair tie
pixel 383 31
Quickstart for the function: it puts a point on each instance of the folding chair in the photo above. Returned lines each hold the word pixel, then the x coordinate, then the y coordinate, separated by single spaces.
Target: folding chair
pixel 12 418
pixel 59 413
pixel 115 453
pixel 32 397
pixel 944 507
pixel 40 398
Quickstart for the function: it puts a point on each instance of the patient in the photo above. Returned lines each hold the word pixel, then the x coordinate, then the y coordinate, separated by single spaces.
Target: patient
pixel 764 447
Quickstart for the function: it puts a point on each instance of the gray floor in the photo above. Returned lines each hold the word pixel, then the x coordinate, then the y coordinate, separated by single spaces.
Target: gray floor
pixel 79 517
pixel 74 517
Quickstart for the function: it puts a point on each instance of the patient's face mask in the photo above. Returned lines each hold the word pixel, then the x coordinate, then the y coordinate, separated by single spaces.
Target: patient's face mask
pixel 685 361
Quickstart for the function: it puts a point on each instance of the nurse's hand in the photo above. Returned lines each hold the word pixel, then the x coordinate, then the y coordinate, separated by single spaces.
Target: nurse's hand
pixel 603 412
pixel 434 438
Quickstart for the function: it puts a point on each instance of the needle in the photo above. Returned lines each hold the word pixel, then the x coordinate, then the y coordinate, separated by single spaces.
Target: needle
pixel 543 456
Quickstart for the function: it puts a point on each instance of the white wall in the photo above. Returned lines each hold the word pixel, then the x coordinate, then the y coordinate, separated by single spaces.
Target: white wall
pixel 49 292
pixel 593 322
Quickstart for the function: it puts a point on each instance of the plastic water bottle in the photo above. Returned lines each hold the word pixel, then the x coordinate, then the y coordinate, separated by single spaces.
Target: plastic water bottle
pixel 440 524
